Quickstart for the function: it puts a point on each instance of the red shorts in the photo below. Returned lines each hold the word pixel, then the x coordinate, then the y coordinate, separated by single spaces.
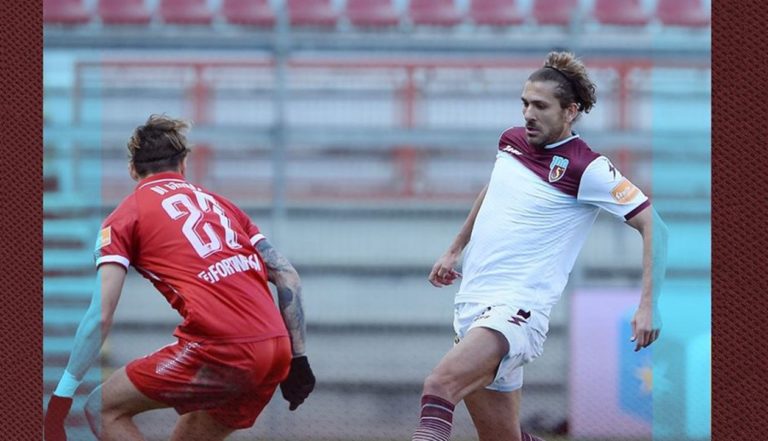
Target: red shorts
pixel 233 382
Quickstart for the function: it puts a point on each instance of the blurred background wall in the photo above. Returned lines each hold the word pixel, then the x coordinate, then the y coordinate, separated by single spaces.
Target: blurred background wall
pixel 357 134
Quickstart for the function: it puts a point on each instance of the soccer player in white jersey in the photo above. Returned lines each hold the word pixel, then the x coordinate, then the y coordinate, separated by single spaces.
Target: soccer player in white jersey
pixel 520 242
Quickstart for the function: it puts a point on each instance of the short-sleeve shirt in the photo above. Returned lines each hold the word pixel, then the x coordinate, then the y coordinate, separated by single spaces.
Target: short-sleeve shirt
pixel 198 250
pixel 540 204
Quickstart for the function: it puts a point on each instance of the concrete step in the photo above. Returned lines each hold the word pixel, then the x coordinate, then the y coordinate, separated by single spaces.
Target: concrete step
pixel 75 288
pixel 367 359
pixel 330 299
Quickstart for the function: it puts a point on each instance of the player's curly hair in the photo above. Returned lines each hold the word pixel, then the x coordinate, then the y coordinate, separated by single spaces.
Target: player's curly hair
pixel 158 145
pixel 574 85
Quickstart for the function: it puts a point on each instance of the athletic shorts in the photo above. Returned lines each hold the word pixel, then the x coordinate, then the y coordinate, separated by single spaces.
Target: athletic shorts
pixel 524 330
pixel 233 382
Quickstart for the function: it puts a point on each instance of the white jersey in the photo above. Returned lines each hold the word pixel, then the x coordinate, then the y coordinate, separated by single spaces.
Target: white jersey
pixel 536 215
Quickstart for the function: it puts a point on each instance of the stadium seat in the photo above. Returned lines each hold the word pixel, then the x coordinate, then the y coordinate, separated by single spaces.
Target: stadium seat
pixel 434 13
pixel 312 13
pixel 688 13
pixel 554 12
pixel 248 12
pixel 372 13
pixel 495 12
pixel 185 12
pixel 119 12
pixel 620 13
pixel 65 12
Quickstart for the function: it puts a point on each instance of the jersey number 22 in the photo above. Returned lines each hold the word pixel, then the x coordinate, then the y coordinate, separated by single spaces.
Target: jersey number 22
pixel 200 234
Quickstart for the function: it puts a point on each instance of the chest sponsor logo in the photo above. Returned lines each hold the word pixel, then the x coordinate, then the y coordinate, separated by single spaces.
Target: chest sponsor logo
pixel 557 168
pixel 105 238
pixel 624 192
pixel 512 150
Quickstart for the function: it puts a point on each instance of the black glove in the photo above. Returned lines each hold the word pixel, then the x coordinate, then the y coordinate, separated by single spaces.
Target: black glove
pixel 58 408
pixel 300 382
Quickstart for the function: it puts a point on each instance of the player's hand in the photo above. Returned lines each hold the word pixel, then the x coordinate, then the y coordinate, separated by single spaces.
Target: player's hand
pixel 55 414
pixel 646 326
pixel 443 272
pixel 299 384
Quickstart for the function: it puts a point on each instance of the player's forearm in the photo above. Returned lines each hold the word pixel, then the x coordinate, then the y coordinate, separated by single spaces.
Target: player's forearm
pixel 285 278
pixel 462 239
pixel 655 239
pixel 88 341
pixel 290 302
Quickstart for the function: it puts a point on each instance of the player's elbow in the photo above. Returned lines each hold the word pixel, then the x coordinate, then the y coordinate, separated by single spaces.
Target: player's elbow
pixel 660 229
pixel 288 278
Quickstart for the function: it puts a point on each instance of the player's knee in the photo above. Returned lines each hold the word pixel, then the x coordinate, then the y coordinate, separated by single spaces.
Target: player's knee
pixel 99 415
pixel 93 411
pixel 440 384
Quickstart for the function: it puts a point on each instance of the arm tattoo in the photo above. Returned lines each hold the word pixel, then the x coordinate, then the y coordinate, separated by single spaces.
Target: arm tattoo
pixel 286 280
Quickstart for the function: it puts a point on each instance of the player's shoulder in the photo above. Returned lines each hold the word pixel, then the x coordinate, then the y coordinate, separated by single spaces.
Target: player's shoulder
pixel 514 135
pixel 127 205
pixel 579 153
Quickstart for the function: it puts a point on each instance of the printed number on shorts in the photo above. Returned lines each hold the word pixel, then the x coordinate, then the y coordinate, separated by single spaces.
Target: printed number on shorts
pixel 200 234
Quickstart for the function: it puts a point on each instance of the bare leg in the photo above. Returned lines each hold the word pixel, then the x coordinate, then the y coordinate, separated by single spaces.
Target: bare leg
pixel 496 415
pixel 111 407
pixel 199 426
pixel 468 366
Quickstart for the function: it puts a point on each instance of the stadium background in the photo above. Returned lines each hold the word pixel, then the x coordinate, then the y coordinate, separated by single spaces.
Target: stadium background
pixel 359 150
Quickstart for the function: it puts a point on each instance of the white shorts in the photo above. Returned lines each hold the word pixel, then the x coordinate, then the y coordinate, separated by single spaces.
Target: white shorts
pixel 525 331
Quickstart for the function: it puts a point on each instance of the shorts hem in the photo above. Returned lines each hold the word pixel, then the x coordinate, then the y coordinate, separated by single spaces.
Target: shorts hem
pixel 504 388
pixel 137 384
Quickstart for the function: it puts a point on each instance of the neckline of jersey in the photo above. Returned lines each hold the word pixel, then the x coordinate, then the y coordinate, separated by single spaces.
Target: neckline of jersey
pixel 559 143
pixel 162 176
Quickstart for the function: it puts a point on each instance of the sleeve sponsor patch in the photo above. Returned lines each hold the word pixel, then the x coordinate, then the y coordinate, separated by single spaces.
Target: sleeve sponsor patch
pixel 624 192
pixel 105 238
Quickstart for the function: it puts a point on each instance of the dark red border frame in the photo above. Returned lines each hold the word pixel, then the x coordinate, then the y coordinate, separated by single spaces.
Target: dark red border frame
pixel 739 209
pixel 21 374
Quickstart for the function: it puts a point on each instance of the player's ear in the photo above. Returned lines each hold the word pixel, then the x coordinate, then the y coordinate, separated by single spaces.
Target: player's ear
pixel 572 111
pixel 132 171
pixel 183 165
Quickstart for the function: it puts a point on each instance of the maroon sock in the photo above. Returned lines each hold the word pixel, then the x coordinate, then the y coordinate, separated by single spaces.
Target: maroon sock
pixel 436 419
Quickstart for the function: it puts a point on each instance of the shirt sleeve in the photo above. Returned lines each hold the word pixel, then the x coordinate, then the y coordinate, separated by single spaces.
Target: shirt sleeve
pixel 245 222
pixel 604 186
pixel 115 242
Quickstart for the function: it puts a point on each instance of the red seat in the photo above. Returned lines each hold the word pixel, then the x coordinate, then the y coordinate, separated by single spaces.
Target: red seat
pixel 554 12
pixel 186 12
pixel 372 13
pixel 120 12
pixel 688 13
pixel 620 13
pixel 248 12
pixel 434 13
pixel 313 13
pixel 495 12
pixel 65 12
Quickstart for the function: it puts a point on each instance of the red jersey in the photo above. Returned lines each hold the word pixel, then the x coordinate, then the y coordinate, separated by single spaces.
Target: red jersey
pixel 198 250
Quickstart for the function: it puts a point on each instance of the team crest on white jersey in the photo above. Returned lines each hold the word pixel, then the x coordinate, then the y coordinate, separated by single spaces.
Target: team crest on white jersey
pixel 557 168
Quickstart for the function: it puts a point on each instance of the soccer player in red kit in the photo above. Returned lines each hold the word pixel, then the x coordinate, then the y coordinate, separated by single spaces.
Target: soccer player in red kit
pixel 212 264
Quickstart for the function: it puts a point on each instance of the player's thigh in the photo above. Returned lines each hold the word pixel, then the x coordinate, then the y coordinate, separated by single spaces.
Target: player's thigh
pixel 473 362
pixel 199 426
pixel 496 415
pixel 118 397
